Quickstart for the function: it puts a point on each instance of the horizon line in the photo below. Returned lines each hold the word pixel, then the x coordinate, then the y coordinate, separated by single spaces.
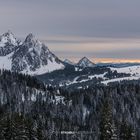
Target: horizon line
pixel 105 60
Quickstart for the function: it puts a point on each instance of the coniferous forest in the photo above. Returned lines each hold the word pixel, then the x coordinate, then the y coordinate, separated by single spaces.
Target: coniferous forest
pixel 69 70
pixel 29 110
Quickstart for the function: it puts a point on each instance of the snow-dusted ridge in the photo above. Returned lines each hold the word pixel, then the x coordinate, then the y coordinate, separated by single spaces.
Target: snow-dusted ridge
pixel 134 72
pixel 89 77
pixel 31 57
pixel 122 74
pixel 8 37
pixel 34 58
pixel 85 62
pixel 106 82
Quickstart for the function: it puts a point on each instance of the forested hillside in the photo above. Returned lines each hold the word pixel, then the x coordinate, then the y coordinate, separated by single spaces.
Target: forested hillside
pixel 29 110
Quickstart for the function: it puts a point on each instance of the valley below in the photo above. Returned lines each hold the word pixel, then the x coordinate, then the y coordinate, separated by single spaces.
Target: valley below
pixel 45 98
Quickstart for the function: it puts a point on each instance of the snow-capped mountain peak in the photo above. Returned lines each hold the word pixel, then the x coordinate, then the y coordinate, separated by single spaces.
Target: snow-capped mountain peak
pixel 8 43
pixel 30 38
pixel 85 62
pixel 33 44
pixel 31 57
pixel 9 38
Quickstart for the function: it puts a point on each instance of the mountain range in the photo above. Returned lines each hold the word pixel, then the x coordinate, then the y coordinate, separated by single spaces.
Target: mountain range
pixel 74 101
pixel 34 58
pixel 31 56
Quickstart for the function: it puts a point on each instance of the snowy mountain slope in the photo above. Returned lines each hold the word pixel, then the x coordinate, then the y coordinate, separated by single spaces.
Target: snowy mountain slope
pixel 31 57
pixel 8 37
pixel 8 43
pixel 120 79
pixel 89 77
pixel 73 78
pixel 85 62
pixel 133 70
pixel 6 61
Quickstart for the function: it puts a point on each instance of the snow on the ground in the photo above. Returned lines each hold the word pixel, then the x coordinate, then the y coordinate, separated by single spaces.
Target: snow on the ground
pixel 79 87
pixel 6 61
pixel 7 38
pixel 97 76
pixel 68 132
pixel 51 66
pixel 133 70
pixel 78 69
pixel 120 79
pixel 58 99
pixel 85 112
pixel 89 77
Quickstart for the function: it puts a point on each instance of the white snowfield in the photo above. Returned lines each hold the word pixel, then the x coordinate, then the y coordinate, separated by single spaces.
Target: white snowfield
pixel 133 70
pixel 90 77
pixel 51 66
pixel 120 79
pixel 6 38
pixel 85 62
pixel 6 61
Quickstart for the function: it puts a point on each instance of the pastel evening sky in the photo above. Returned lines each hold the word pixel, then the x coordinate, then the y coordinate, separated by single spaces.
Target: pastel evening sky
pixel 103 30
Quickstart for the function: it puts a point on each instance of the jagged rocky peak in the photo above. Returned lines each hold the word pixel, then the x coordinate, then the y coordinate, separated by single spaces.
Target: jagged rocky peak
pixel 85 62
pixel 8 43
pixel 31 44
pixel 31 40
pixel 8 33
pixel 30 57
pixel 34 57
pixel 9 38
pixel 30 37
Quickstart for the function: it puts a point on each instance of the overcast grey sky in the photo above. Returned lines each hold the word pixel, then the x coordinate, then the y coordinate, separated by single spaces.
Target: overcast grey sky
pixel 72 23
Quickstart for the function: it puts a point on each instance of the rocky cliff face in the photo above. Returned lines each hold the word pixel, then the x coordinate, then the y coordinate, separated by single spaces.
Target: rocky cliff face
pixel 8 43
pixel 30 57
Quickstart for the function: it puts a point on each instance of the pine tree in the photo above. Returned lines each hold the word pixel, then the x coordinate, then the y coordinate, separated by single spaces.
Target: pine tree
pixel 106 128
pixel 29 129
pixel 19 123
pixel 114 132
pixel 40 131
pixel 2 128
pixel 126 131
pixel 9 132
